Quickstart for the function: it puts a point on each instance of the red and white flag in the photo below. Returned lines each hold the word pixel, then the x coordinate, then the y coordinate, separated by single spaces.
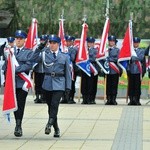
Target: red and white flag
pixel 62 36
pixel 82 59
pixel 9 100
pixel 31 42
pixel 102 51
pixel 27 78
pixel 126 50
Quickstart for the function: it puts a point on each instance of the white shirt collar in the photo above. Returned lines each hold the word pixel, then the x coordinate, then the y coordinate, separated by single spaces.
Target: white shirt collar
pixel 56 52
pixel 19 48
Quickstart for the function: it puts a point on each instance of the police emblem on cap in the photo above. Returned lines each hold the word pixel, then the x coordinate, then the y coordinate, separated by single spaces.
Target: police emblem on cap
pixel 20 33
pixel 136 40
pixel 54 38
pixel 10 39
pixel 90 39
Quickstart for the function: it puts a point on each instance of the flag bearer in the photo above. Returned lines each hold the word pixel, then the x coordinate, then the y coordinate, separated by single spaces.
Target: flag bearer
pixel 113 76
pixel 39 76
pixel 22 56
pixel 72 51
pixel 89 84
pixel 136 70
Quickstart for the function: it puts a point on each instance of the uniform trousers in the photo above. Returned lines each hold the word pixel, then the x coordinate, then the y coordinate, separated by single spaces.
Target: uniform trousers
pixel 52 99
pixel 112 84
pixel 134 84
pixel 21 96
pixel 38 80
pixel 73 88
pixel 89 84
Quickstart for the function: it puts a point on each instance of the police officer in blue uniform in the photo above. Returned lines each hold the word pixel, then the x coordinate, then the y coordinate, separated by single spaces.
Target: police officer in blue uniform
pixel 115 71
pixel 39 76
pixel 72 51
pixel 89 84
pixel 57 79
pixel 135 72
pixel 23 56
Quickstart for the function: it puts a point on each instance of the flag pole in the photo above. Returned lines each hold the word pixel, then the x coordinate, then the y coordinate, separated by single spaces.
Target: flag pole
pixel 127 93
pixel 105 77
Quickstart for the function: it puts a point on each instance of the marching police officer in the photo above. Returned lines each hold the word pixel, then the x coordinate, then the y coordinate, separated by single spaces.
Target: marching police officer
pixel 57 79
pixel 72 51
pixel 136 70
pixel 39 75
pixel 23 57
pixel 89 84
pixel 113 76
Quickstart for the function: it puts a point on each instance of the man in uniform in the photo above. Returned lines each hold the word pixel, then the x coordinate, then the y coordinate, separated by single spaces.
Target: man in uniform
pixel 112 78
pixel 23 56
pixel 89 84
pixel 72 51
pixel 136 70
pixel 57 79
pixel 39 76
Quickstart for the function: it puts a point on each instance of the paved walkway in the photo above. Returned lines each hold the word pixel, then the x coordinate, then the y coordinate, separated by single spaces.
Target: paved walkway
pixel 83 127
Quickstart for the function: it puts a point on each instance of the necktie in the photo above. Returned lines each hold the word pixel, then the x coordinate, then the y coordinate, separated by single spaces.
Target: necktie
pixel 54 55
pixel 18 50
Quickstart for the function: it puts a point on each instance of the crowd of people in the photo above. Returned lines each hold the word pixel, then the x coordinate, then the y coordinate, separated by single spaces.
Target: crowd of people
pixel 53 79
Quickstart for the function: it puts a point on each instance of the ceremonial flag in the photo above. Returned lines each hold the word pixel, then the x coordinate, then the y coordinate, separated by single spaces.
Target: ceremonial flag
pixel 62 36
pixel 31 42
pixel 9 100
pixel 101 59
pixel 82 59
pixel 126 50
pixel 27 78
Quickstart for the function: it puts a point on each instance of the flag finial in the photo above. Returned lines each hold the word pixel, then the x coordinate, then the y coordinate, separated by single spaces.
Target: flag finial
pixel 84 18
pixel 62 15
pixel 131 16
pixel 107 9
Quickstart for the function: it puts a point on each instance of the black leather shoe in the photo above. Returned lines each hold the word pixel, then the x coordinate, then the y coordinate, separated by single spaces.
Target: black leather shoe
pixel 18 131
pixel 71 102
pixel 57 133
pixel 47 129
pixel 108 103
pixel 63 102
pixel 48 126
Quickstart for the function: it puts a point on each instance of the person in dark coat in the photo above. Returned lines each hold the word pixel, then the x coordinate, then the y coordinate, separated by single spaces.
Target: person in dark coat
pixel 23 57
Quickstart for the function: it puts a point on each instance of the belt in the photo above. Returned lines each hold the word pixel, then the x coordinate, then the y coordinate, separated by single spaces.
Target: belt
pixel 53 74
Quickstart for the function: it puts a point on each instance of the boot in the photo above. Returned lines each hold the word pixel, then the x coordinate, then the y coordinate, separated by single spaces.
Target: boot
pixel 71 99
pixel 114 100
pixel 88 99
pixel 84 99
pixel 56 129
pixel 131 100
pixel 42 98
pixel 108 100
pixel 92 98
pixel 63 100
pixel 48 126
pixel 138 100
pixel 37 99
pixel 18 129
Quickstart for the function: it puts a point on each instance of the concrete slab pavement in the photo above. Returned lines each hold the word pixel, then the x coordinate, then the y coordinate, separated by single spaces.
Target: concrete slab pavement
pixel 83 127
